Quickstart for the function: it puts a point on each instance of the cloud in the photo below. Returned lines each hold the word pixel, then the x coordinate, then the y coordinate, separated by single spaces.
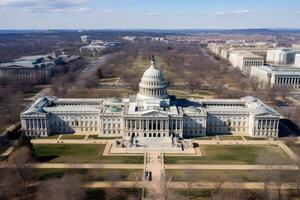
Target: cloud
pixel 241 11
pixel 219 13
pixel 44 5
pixel 233 12
pixel 152 14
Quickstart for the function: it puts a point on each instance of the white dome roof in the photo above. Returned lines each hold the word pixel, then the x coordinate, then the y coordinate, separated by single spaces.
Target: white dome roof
pixel 153 74
pixel 153 83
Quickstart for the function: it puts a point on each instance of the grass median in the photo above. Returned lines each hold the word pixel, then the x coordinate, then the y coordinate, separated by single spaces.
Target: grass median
pixel 230 154
pixel 80 153
pixel 229 175
pixel 93 174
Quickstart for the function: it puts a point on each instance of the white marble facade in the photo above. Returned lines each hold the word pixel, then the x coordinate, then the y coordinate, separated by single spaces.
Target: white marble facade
pixel 151 113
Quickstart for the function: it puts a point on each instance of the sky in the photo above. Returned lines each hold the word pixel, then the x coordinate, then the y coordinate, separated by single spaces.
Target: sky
pixel 149 14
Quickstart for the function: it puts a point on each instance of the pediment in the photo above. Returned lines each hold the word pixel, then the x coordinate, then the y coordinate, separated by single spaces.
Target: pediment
pixel 154 113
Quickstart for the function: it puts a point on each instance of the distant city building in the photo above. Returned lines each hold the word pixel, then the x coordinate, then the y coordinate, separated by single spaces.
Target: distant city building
pixel 129 38
pixel 152 114
pixel 297 60
pixel 277 76
pixel 35 68
pixel 296 46
pixel 244 60
pixel 98 47
pixel 85 39
pixel 282 56
pixel 223 50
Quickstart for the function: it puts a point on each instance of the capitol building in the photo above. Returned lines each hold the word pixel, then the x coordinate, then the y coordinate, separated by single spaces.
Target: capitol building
pixel 152 113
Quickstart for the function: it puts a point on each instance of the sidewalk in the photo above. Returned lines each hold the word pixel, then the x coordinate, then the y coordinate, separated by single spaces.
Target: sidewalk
pixel 230 167
pixel 81 166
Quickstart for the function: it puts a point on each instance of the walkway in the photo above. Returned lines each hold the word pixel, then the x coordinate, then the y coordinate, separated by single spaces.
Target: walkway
pixel 81 166
pixel 154 167
pixel 230 167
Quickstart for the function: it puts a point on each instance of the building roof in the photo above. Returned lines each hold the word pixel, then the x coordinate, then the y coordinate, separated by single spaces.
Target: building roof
pixel 279 70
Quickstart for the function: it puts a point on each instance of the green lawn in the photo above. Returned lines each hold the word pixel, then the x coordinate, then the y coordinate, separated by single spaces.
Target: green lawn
pixel 206 194
pixel 227 175
pixel 204 138
pixel 74 137
pixel 230 137
pixel 2 150
pixel 93 174
pixel 103 138
pixel 50 137
pixel 80 153
pixel 253 138
pixel 124 194
pixel 295 148
pixel 230 154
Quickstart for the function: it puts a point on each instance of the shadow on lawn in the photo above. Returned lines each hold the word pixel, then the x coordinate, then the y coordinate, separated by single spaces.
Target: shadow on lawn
pixel 46 158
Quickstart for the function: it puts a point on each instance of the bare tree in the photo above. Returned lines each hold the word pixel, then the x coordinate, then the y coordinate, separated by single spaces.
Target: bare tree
pixel 189 176
pixel 166 187
pixel 267 160
pixel 11 183
pixel 113 192
pixel 70 186
pixel 254 84
pixel 19 159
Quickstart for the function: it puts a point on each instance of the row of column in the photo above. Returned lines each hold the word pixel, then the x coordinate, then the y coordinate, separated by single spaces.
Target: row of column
pixel 138 124
pixel 154 92
pixel 253 63
pixel 152 124
pixel 266 124
pixel 16 72
pixel 36 124
pixel 287 81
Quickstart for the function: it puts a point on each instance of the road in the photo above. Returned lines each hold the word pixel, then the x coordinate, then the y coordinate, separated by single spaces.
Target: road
pixel 95 64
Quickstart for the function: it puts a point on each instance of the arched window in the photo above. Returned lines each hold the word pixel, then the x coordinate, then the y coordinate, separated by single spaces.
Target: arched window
pixel 158 135
pixel 154 134
pixel 150 135
pixel 145 134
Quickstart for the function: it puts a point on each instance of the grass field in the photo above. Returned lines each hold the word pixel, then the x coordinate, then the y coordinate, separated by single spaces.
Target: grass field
pixel 230 137
pixel 102 138
pixel 251 138
pixel 184 93
pixel 125 193
pixel 74 137
pixel 206 194
pixel 93 174
pixel 228 175
pixel 230 154
pixel 295 148
pixel 79 153
pixel 2 150
pixel 50 137
pixel 204 138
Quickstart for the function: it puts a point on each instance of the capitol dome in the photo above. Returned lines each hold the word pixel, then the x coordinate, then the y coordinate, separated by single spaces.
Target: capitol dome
pixel 153 83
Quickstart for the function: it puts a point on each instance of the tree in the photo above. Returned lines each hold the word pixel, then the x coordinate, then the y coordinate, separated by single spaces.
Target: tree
pixel 113 192
pixel 19 159
pixel 136 178
pixel 11 183
pixel 70 186
pixel 267 159
pixel 165 188
pixel 189 176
